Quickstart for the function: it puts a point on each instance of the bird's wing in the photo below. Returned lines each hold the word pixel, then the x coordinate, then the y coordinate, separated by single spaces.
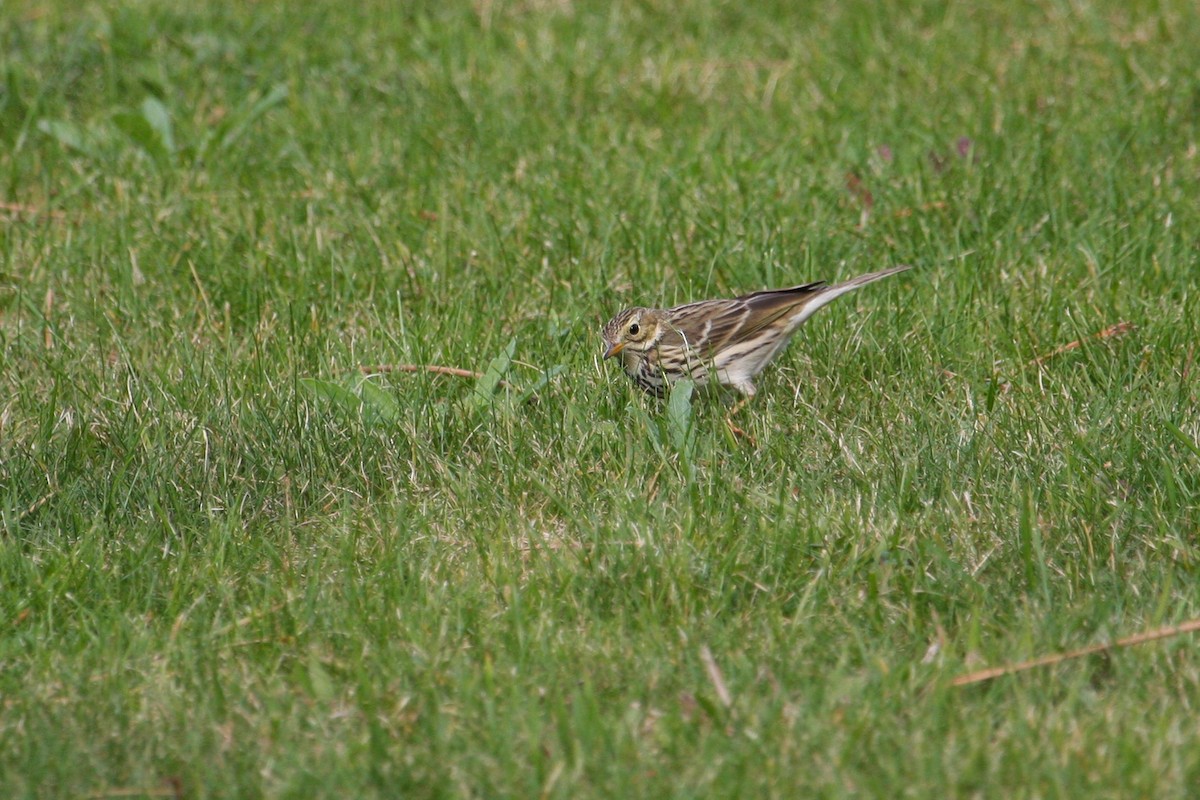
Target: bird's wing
pixel 711 325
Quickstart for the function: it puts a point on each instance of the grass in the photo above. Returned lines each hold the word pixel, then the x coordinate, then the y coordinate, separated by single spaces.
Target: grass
pixel 228 568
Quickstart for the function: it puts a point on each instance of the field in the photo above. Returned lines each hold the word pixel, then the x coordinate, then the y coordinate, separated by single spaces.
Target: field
pixel 244 553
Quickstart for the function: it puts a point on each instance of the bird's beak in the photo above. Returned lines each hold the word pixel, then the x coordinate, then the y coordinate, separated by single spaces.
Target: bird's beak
pixel 613 349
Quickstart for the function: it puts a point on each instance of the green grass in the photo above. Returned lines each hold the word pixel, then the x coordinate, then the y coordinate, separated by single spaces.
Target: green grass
pixel 227 567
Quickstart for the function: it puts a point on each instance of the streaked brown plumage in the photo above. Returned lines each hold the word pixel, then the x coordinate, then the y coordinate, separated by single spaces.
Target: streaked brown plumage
pixel 732 340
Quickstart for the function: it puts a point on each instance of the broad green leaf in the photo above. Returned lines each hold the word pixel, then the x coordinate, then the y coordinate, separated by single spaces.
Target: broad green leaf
pixel 679 415
pixel 139 131
pixel 485 387
pixel 159 118
pixel 319 680
pixel 69 135
pixel 335 393
pixel 378 405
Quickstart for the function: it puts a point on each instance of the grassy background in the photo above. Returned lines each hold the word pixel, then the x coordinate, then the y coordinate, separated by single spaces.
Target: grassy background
pixel 220 576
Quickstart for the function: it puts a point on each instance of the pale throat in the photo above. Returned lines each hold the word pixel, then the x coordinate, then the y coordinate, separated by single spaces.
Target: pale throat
pixel 631 359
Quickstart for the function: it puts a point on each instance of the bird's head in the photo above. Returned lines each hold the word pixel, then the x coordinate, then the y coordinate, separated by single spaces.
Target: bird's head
pixel 635 330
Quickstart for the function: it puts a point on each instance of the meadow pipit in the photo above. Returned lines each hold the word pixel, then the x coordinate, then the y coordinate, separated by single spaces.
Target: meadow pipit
pixel 732 340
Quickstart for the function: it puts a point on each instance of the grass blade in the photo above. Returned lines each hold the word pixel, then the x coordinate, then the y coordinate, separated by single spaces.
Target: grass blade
pixel 1183 438
pixel 238 127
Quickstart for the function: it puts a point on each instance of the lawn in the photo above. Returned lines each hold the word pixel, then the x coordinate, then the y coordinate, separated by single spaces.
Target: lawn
pixel 245 553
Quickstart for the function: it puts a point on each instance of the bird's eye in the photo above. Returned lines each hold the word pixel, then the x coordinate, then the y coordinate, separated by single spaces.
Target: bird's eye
pixel 633 329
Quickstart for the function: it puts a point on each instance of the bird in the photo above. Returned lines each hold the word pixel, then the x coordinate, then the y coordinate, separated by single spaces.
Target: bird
pixel 731 340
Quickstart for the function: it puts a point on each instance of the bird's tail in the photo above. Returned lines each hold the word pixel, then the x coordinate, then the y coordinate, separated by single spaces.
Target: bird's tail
pixel 828 295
